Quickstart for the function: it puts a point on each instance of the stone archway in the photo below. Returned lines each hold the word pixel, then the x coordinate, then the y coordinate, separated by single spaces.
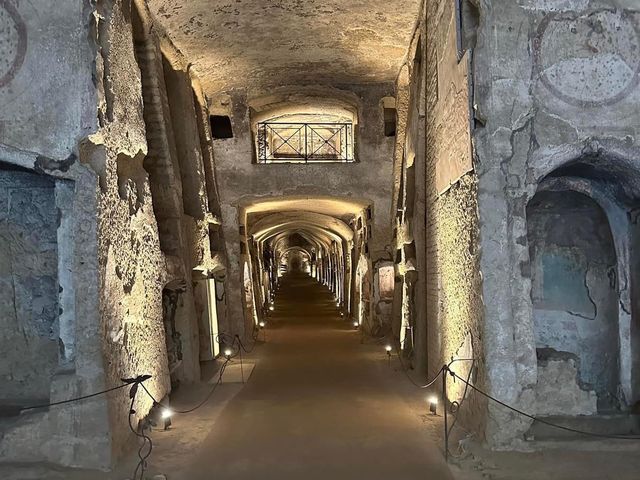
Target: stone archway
pixel 575 304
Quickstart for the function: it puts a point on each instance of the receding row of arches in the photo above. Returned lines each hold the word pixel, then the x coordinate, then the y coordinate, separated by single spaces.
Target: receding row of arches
pixel 324 237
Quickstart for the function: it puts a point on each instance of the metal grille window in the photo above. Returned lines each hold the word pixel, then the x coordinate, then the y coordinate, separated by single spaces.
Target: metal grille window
pixel 279 142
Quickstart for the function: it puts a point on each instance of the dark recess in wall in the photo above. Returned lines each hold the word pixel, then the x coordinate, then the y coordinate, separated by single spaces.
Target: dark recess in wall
pixel 389 122
pixel 221 126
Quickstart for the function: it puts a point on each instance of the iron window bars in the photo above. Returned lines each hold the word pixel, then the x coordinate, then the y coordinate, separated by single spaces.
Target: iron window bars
pixel 305 142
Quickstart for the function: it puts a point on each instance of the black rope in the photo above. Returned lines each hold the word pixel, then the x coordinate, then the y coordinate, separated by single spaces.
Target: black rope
pixel 204 401
pixel 211 392
pixel 125 382
pixel 406 372
pixel 215 386
pixel 540 420
pixel 254 337
pixel 72 400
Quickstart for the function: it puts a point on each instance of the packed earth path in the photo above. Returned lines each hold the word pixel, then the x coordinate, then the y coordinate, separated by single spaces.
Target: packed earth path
pixel 316 405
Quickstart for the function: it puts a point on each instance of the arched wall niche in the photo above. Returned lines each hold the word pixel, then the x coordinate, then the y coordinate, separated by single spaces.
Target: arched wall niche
pixel 305 127
pixel 583 235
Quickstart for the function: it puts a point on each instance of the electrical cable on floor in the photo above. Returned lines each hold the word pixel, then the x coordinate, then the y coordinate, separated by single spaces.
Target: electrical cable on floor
pixel 141 466
pixel 138 473
pixel 134 383
pixel 536 419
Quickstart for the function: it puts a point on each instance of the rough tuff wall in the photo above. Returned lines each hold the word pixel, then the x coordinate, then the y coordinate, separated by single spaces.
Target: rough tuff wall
pixel 33 36
pixel 132 268
pixel 242 180
pixel 73 110
pixel 458 331
pixel 28 287
pixel 554 82
pixel 48 105
pixel 454 300
pixel 408 206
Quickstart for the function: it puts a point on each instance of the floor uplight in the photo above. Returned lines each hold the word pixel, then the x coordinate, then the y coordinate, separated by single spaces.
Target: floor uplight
pixel 433 405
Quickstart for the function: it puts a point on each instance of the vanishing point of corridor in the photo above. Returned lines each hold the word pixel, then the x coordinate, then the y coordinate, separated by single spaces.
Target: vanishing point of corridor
pixel 316 406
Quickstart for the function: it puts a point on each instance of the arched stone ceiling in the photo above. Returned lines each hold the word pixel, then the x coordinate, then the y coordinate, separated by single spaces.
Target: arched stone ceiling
pixel 264 43
pixel 279 242
pixel 283 221
pixel 332 206
pixel 314 233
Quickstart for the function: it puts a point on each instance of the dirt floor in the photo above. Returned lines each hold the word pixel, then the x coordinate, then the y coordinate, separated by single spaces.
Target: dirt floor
pixel 320 403
pixel 316 406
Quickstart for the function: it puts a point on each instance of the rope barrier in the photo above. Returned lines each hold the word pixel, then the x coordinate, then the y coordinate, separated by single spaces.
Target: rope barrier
pixel 406 372
pixel 446 369
pixel 537 419
pixel 76 399
pixel 146 447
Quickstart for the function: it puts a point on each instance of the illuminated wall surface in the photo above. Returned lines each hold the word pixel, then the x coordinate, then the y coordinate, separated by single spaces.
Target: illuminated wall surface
pixel 476 198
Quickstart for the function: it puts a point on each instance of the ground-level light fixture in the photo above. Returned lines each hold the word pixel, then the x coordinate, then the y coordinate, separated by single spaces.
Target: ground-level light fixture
pixel 271 308
pixel 433 404
pixel 165 414
pixel 389 349
pixel 227 353
pixel 356 324
pixel 262 324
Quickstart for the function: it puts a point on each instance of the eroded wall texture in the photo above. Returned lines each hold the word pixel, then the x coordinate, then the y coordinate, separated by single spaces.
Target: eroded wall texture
pixel 28 286
pixel 573 290
pixel 131 265
pixel 555 84
pixel 43 118
pixel 454 301
pixel 74 113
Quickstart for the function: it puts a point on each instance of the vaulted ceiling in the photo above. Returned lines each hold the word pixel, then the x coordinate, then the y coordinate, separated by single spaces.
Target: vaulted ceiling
pixel 257 44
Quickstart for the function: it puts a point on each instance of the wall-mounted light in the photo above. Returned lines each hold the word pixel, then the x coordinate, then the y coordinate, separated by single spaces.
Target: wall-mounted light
pixel 262 324
pixel 433 405
pixel 271 308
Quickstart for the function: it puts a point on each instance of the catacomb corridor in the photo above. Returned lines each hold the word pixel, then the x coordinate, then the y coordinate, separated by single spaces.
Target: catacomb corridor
pixel 319 239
